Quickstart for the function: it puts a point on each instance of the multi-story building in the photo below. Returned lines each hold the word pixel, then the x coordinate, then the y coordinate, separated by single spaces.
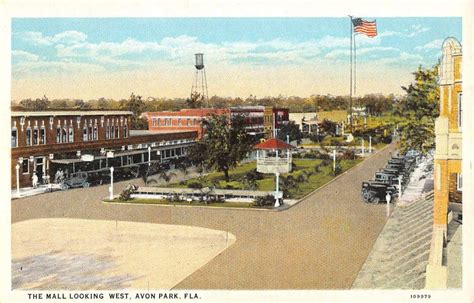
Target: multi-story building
pixel 43 142
pixel 191 119
pixel 274 119
pixel 185 119
pixel 253 115
pixel 447 159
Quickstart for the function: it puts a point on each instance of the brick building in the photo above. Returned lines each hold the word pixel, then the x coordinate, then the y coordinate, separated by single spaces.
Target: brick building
pixel 185 119
pixel 43 142
pixel 447 160
pixel 191 119
pixel 448 130
pixel 274 119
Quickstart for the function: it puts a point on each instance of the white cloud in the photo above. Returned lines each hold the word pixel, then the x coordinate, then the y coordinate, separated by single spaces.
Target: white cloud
pixel 67 37
pixel 19 55
pixel 408 33
pixel 435 44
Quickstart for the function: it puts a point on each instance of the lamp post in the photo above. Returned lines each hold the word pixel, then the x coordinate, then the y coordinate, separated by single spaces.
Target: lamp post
pixel 17 179
pixel 288 139
pixel 334 160
pixel 111 189
pixel 149 156
pixel 363 153
pixel 370 144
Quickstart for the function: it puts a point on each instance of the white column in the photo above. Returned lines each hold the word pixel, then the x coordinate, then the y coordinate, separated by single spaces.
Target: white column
pixel 149 155
pixel 111 189
pixel 363 152
pixel 18 179
pixel 334 160
pixel 399 187
pixel 388 198
pixel 277 189
pixel 370 144
pixel 288 139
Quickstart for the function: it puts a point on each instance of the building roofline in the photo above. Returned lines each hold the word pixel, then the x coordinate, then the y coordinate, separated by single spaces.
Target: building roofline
pixel 69 113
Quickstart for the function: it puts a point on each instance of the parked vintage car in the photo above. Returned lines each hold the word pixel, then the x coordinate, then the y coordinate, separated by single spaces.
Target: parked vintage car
pixel 78 179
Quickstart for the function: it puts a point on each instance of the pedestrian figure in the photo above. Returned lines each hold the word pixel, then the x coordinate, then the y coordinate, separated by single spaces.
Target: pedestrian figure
pixel 34 180
pixel 56 176
pixel 388 197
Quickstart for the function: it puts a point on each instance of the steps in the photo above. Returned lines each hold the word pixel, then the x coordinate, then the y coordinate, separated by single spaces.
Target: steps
pixel 399 257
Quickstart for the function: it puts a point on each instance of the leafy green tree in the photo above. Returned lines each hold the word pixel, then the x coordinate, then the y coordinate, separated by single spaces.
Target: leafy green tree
pixel 136 105
pixel 36 105
pixel 420 107
pixel 223 146
pixel 195 101
pixel 290 129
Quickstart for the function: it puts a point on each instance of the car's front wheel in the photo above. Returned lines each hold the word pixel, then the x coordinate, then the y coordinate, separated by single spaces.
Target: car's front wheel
pixel 86 184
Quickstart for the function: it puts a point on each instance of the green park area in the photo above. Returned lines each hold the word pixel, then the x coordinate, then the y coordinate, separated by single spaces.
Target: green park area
pixel 306 176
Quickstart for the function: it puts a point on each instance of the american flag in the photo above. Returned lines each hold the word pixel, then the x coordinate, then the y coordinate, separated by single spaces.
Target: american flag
pixel 368 28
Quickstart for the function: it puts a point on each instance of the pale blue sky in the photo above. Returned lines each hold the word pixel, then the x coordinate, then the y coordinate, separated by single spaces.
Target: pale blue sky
pixel 260 56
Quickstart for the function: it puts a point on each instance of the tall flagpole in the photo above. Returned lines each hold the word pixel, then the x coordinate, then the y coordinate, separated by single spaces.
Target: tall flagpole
pixel 350 93
pixel 355 66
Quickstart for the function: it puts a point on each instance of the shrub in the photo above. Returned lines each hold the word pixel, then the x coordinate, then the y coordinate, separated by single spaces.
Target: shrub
pixel 127 192
pixel 195 184
pixel 267 200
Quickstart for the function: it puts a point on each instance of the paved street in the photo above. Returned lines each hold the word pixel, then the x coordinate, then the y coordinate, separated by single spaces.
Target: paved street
pixel 321 243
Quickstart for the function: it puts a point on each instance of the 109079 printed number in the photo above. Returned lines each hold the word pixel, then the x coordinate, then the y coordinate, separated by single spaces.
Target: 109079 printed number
pixel 422 296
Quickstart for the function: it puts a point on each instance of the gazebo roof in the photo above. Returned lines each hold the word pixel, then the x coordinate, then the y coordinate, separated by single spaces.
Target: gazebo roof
pixel 273 143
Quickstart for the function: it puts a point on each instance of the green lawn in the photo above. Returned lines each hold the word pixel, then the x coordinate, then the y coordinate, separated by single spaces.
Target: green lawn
pixel 301 166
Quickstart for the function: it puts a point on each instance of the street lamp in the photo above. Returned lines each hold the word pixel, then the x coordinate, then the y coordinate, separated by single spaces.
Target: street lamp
pixel 370 144
pixel 17 179
pixel 149 156
pixel 111 189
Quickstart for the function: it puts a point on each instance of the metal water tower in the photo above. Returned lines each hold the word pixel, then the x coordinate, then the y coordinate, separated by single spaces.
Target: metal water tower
pixel 200 81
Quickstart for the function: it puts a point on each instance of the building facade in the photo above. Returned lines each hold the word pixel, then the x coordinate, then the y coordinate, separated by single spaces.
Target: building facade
pixel 447 161
pixel 43 142
pixel 448 131
pixel 182 120
pixel 259 120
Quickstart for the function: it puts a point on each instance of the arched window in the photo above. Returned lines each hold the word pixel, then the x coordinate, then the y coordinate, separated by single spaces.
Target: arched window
pixel 64 135
pixel 84 133
pixel 125 131
pixel 58 135
pixel 71 134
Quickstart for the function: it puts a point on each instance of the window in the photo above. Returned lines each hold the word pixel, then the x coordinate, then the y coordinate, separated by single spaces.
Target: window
pixel 459 110
pixel 112 132
pixel 179 121
pixel 194 121
pixel 107 130
pixel 71 134
pixel 64 135
pixel 58 135
pixel 89 133
pixel 117 133
pixel 25 166
pixel 125 131
pixel 459 182
pixel 35 136
pixel 84 133
pixel 42 136
pixel 154 121
pixel 95 132
pixel 28 136
pixel 158 122
pixel 14 137
pixel 188 121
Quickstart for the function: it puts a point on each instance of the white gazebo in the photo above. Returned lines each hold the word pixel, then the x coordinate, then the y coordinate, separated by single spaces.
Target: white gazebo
pixel 274 157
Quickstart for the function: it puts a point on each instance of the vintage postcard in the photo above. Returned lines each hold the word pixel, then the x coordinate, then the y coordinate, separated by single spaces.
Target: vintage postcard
pixel 245 152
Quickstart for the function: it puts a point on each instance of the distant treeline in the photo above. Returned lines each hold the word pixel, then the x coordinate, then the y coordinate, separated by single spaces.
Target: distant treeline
pixel 375 103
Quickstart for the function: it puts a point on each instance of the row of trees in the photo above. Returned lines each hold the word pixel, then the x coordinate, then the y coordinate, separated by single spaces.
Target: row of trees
pixel 375 103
